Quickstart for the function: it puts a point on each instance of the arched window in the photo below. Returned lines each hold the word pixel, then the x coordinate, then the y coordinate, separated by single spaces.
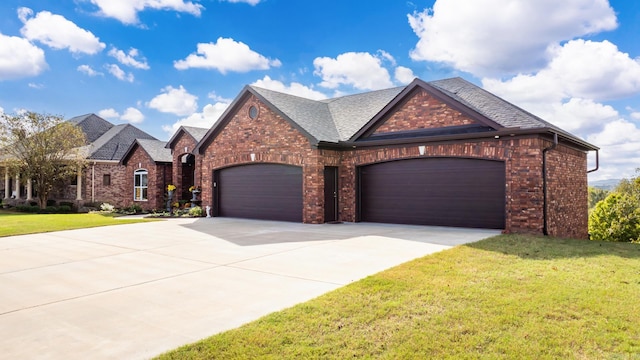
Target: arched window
pixel 140 184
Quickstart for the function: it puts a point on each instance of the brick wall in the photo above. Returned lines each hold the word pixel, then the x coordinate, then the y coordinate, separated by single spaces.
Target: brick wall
pixel 159 176
pixel 184 140
pixel 95 190
pixel 422 111
pixel 567 193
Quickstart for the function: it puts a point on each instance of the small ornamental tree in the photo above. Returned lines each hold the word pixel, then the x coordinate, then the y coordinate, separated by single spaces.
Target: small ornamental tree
pixel 616 218
pixel 41 147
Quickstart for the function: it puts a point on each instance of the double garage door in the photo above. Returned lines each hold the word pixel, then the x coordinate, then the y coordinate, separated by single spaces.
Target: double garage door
pixel 434 191
pixel 427 191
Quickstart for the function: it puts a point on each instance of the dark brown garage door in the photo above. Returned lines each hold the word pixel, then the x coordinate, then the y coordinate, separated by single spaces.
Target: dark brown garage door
pixel 259 191
pixel 434 191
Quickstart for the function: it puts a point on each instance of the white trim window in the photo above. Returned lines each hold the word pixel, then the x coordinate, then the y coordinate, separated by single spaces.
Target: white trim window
pixel 140 177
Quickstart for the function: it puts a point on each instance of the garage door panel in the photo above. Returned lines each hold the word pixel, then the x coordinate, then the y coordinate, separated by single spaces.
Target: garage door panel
pixel 434 191
pixel 261 191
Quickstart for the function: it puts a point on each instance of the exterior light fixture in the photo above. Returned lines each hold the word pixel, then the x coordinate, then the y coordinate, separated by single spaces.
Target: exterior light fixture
pixel 253 157
pixel 421 149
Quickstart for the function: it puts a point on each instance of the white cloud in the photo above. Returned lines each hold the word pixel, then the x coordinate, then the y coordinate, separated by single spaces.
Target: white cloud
pixel 129 58
pixel 293 89
pixel 36 86
pixel 404 75
pixel 57 32
pixel 226 55
pixel 361 70
pixel 109 113
pixel 205 119
pixel 175 101
pixel 19 58
pixel 86 69
pixel 132 115
pixel 498 37
pixel 586 69
pixel 116 71
pixel 126 11
pixel 619 150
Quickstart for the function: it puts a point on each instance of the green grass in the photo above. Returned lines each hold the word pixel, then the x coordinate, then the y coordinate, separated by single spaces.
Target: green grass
pixel 12 223
pixel 508 297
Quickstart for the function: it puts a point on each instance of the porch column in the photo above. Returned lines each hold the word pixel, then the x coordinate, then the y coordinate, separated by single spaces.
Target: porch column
pixel 7 183
pixel 29 189
pixel 79 186
pixel 17 188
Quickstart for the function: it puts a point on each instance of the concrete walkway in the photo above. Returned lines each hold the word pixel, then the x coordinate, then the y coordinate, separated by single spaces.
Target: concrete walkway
pixel 134 291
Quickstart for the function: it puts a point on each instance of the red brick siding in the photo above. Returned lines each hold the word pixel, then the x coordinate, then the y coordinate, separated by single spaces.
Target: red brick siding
pixel 184 140
pixel 159 175
pixel 422 111
pixel 567 193
pixel 94 189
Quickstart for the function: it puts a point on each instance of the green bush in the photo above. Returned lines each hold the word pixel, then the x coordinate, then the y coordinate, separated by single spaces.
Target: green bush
pixel 195 211
pixel 616 218
pixel 28 208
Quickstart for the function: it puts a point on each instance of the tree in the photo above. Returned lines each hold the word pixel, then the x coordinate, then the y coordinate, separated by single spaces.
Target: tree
pixel 41 147
pixel 616 218
pixel 596 195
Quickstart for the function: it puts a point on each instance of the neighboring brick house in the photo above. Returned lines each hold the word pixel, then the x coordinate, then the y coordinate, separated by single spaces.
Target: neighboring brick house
pixel 103 179
pixel 435 153
pixel 148 172
pixel 186 169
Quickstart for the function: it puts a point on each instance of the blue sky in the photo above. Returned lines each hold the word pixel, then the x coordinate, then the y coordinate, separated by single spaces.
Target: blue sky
pixel 159 64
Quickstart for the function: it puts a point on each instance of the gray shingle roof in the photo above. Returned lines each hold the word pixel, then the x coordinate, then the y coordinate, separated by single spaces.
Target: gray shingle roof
pixel 489 105
pixel 348 118
pixel 197 132
pixel 330 120
pixel 92 125
pixel 156 149
pixel 113 144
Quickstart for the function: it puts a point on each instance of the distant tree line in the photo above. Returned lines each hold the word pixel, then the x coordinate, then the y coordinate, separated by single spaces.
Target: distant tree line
pixel 615 215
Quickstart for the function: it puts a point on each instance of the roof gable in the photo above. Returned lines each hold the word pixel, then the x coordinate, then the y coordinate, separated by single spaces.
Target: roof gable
pixel 196 133
pixel 114 144
pixel 155 149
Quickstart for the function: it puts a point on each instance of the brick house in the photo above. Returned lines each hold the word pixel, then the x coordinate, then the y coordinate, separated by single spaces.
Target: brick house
pixel 148 170
pixel 103 179
pixel 434 153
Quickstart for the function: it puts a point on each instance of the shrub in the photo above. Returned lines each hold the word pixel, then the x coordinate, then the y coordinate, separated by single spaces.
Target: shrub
pixel 51 202
pixel 616 218
pixel 195 211
pixel 28 208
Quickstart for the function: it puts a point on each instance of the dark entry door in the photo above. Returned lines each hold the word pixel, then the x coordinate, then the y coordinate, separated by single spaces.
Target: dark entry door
pixel 434 191
pixel 259 191
pixel 330 193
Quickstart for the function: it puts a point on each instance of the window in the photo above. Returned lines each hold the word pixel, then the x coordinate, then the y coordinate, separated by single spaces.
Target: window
pixel 140 185
pixel 253 112
pixel 106 179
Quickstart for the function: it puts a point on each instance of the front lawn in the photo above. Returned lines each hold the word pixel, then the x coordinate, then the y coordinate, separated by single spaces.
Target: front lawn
pixel 12 223
pixel 509 297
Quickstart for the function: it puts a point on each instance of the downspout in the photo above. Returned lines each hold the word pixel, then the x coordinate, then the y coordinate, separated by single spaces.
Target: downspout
pixel 597 162
pixel 545 231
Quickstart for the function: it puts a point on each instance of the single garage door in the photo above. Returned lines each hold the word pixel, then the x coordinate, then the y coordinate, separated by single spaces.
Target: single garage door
pixel 434 191
pixel 259 191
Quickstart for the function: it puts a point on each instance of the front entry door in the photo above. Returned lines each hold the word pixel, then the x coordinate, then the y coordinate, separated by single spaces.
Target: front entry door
pixel 330 193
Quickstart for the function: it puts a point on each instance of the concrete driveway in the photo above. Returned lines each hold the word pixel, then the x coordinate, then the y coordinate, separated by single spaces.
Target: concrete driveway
pixel 134 291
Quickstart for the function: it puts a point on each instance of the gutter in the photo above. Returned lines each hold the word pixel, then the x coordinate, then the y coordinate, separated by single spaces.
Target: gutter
pixel 545 230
